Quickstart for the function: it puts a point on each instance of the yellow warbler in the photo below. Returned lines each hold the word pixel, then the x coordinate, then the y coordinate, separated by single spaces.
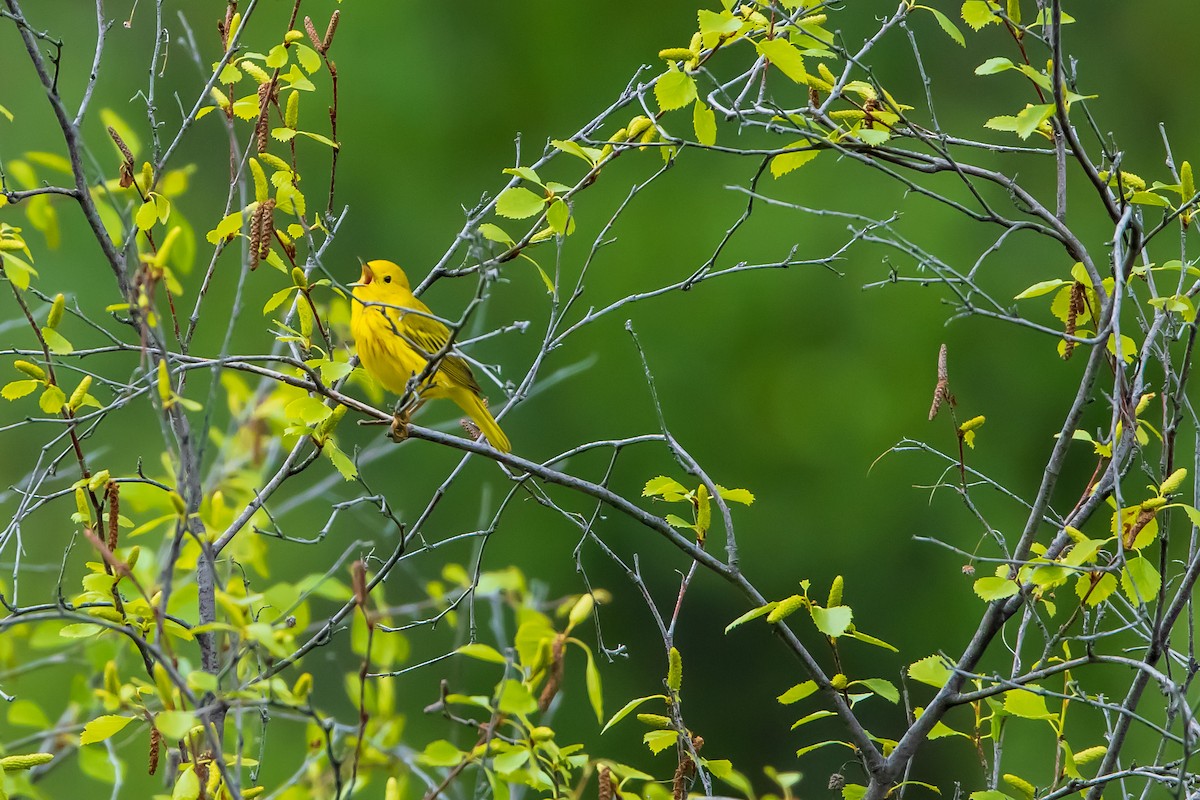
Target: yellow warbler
pixel 396 338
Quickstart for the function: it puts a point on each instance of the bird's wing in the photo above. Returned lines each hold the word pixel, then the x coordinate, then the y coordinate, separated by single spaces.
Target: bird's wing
pixel 429 337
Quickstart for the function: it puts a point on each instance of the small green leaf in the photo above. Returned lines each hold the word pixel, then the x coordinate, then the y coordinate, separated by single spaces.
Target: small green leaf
pixel 1140 581
pixel 743 496
pixel 658 741
pixel 754 613
pixel 674 89
pixel 995 588
pixel 17 389
pixel 494 233
pixel 515 698
pixel 482 652
pixel 978 13
pixel 704 121
pixel 668 489
pixel 175 724
pixel 785 56
pixel 57 343
pixel 517 202
pixel 784 163
pixel 797 693
pixel 1026 704
pixel 884 688
pixel 341 462
pixel 146 215
pixel 949 27
pixel 557 216
pixel 52 400
pixel 1040 288
pixel 994 65
pixel 931 670
pixel 832 622
pixel 187 785
pixel 103 727
pixel 628 709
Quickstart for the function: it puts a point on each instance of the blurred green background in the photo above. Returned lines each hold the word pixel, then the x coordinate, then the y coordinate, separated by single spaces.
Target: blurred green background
pixel 789 383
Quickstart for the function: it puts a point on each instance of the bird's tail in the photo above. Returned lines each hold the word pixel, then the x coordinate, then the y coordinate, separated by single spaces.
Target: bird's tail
pixel 476 409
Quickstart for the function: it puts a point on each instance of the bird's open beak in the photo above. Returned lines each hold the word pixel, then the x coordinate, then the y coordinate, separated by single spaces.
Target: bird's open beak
pixel 366 277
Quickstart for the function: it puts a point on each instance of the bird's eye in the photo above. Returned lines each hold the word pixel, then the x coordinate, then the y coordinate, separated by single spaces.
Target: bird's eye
pixel 387 279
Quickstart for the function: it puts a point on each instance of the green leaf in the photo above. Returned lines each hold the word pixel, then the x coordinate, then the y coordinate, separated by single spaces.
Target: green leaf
pixel 592 679
pixel 308 410
pixel 277 299
pixel 990 794
pixel 743 496
pixel 978 13
pixel 1149 199
pixel 590 155
pixel 1033 116
pixel 187 785
pixel 28 714
pixel 1026 704
pixel 341 462
pixel 440 753
pixel 754 613
pixel 175 724
pixel 17 389
pixel 52 400
pixel 674 89
pixel 103 727
pixel 797 693
pixel 949 27
pixel 146 215
pixel 884 688
pixel 629 707
pixel 494 233
pixel 658 741
pixel 308 58
pixel 1040 288
pixel 832 622
pixel 517 202
pixel 784 163
pixel 993 66
pixel 557 216
pixel 676 521
pixel 277 57
pixel 869 639
pixel 515 698
pixel 57 343
pixel 17 270
pixel 668 489
pixel 824 713
pixel 704 121
pixel 482 652
pixel 995 588
pixel 785 56
pixel 1140 581
pixel 931 670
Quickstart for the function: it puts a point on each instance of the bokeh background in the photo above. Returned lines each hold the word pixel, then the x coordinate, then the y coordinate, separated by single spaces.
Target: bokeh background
pixel 789 383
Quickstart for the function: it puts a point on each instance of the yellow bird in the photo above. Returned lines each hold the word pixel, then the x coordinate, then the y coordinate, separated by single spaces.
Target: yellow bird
pixel 396 340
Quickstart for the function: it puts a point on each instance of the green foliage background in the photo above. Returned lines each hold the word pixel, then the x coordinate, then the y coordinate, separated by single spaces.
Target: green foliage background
pixel 788 383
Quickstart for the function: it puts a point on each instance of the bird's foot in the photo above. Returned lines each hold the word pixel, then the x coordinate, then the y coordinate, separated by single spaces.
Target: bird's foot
pixel 398 431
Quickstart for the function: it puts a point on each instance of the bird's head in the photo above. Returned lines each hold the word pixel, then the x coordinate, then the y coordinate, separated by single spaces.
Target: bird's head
pixel 380 277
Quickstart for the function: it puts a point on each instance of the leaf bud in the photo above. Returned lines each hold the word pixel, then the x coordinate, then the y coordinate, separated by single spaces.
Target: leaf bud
pixel 112 681
pixel 56 311
pixel 1143 402
pixel 655 721
pixel 785 607
pixel 1173 481
pixel 31 369
pixel 638 125
pixel 11 763
pixel 78 396
pixel 541 734
pixel 676 54
pixel 581 610
pixel 291 37
pixel 302 687
pixel 177 502
pixel 675 670
pixel 392 792
pixel 1152 503
pixel 298 278
pixel 838 681
pixel 835 592
pixel 81 505
pixel 98 481
pixel 164 381
pixel 815 19
pixel 134 553
pixel 166 691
